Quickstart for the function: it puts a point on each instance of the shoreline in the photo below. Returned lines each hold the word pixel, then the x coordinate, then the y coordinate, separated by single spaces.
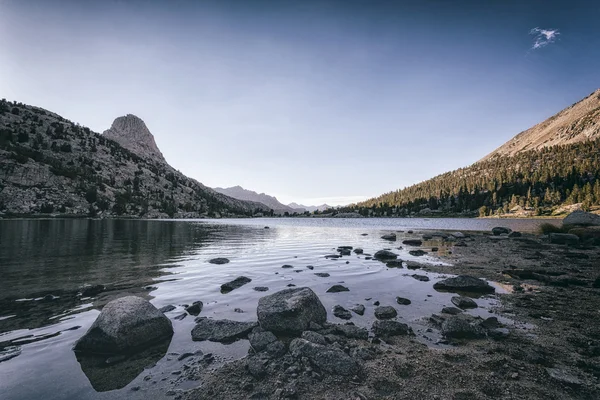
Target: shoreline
pixel 557 357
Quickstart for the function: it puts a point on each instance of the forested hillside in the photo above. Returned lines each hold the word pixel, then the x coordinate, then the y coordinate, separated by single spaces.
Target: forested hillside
pixel 538 180
pixel 50 165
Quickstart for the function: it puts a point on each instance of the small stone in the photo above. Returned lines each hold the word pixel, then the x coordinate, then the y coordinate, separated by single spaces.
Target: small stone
pixel 341 312
pixel 322 274
pixel 195 308
pixel 359 309
pixel 463 302
pixel 287 266
pixel 422 278
pixel 403 301
pixel 261 288
pixel 166 309
pixel 219 261
pixel 234 284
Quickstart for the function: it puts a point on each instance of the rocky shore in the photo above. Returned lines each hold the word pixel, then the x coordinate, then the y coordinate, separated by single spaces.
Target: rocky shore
pixel 549 284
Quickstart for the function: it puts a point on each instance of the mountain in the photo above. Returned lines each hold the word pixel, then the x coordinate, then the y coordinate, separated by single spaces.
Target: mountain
pixel 547 169
pixel 131 133
pixel 576 123
pixel 50 165
pixel 238 192
pixel 311 209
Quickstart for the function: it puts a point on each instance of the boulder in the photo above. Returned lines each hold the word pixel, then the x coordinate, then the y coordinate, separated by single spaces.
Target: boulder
pixel 499 230
pixel 417 253
pixel 358 251
pixel 125 325
pixel 563 238
pixel 587 232
pixel 385 312
pixel 260 340
pixel 412 242
pixel 463 302
pixel 221 330
pixel 327 359
pixel 515 234
pixel 234 284
pixel 413 265
pixel 219 261
pixel 314 337
pixel 341 312
pixel 350 331
pixel 390 328
pixel 581 217
pixel 390 236
pixel 464 283
pixel 460 327
pixel 290 310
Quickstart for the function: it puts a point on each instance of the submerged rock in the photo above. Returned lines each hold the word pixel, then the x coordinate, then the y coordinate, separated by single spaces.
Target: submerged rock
pixel 412 242
pixel 168 308
pixel 464 283
pixel 261 288
pixel 390 328
pixel 290 311
pixel 337 289
pixel 9 352
pixel 234 284
pixel 385 312
pixel 219 260
pixel 389 236
pixel 358 251
pixel 328 359
pixel 322 274
pixel 341 312
pixel 89 291
pixel 124 325
pixel 221 330
pixel 463 302
pixel 422 278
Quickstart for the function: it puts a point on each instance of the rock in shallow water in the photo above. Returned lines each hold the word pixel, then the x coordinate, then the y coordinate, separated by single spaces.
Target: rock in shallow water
pixel 412 242
pixel 403 301
pixel 234 284
pixel 385 312
pixel 219 260
pixel 464 283
pixel 341 312
pixel 461 327
pixel 290 311
pixel 359 309
pixel 385 255
pixel 422 278
pixel 195 308
pixel 221 330
pixel 124 325
pixel 463 302
pixel 337 289
pixel 390 237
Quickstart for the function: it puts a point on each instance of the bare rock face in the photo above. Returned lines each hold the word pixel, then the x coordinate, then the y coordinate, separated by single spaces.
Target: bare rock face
pixel 126 324
pixel 131 132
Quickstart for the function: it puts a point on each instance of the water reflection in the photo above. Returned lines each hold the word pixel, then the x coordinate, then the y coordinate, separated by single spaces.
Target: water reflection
pixel 114 373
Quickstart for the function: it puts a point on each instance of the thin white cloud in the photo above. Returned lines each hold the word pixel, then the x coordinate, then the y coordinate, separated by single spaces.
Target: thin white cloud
pixel 543 37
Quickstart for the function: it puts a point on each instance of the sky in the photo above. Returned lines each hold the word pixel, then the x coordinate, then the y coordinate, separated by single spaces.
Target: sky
pixel 309 101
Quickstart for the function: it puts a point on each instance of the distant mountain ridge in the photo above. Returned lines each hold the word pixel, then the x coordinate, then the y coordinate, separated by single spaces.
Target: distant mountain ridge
pixel 50 165
pixel 576 123
pixel 297 206
pixel 238 192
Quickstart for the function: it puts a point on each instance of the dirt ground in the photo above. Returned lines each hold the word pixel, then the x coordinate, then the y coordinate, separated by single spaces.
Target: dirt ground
pixel 552 288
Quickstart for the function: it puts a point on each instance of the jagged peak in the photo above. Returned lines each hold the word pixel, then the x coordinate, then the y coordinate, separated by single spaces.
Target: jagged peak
pixel 131 132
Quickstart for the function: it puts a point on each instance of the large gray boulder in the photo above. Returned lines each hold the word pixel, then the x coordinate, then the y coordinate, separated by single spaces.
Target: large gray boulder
pixel 125 325
pixel 326 358
pixel 290 311
pixel 583 218
pixel 563 238
pixel 464 283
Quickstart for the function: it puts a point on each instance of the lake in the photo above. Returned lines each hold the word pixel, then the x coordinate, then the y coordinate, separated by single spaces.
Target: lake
pixel 44 264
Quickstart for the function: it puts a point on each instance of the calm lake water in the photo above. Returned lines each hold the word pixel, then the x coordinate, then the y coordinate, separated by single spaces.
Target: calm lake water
pixel 45 263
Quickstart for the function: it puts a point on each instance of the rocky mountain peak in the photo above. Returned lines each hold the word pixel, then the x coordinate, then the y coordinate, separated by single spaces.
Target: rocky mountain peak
pixel 132 133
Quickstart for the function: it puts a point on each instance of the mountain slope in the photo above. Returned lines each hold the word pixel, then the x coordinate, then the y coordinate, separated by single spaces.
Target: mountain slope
pixel 577 123
pixel 539 181
pixel 238 192
pixel 297 206
pixel 51 165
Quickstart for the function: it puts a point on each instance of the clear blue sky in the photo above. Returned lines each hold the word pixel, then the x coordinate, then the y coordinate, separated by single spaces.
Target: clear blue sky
pixel 310 101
